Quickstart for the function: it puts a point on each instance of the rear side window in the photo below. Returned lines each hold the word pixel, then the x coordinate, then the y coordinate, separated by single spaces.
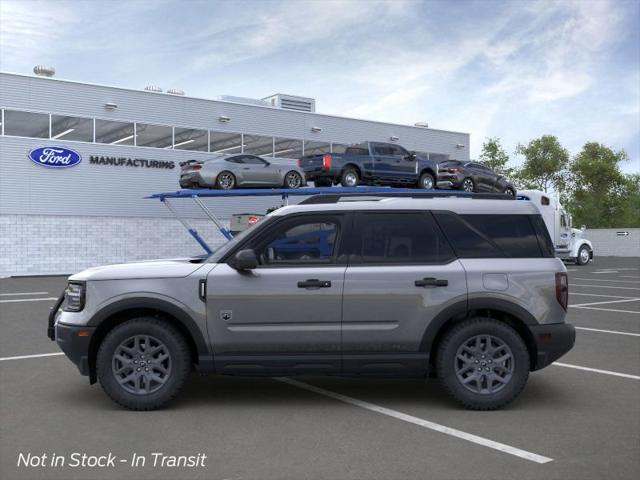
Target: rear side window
pixel 356 151
pixel 544 240
pixel 399 238
pixel 513 234
pixel 467 241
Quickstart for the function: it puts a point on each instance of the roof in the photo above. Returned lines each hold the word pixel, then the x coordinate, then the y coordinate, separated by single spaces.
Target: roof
pixel 459 205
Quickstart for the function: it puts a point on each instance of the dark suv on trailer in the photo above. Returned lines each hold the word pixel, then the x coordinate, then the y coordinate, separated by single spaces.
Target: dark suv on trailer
pixel 472 177
pixel 466 289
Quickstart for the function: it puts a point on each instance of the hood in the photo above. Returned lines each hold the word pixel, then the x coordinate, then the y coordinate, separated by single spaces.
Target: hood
pixel 577 233
pixel 169 268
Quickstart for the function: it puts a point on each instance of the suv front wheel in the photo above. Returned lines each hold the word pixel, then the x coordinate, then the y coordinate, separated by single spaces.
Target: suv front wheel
pixel 143 363
pixel 483 363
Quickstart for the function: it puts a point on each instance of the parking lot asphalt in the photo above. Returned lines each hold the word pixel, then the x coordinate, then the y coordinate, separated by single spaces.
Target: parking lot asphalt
pixel 576 419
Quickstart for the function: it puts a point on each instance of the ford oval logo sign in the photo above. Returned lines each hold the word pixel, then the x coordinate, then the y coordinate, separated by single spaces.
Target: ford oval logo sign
pixel 55 157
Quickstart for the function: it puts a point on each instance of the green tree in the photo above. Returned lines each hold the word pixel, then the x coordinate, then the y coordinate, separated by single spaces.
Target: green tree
pixel 600 195
pixel 630 215
pixel 545 164
pixel 495 157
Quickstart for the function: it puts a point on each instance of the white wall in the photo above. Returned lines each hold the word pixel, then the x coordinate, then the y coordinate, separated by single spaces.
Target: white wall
pixel 607 242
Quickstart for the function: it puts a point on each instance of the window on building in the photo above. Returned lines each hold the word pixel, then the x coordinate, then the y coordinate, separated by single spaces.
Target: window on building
pixel 158 136
pixel 191 139
pixel 397 238
pixel 225 143
pixel 26 124
pixel 287 148
pixel 316 148
pixel 258 145
pixel 114 133
pixel 436 157
pixel 71 128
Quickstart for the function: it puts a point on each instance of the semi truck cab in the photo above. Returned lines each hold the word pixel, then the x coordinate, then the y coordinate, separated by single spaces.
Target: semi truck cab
pixel 569 243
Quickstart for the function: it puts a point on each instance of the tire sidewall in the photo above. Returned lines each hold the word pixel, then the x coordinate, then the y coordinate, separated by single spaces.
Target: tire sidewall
pixel 180 362
pixel 344 175
pixel 579 257
pixel 446 368
pixel 293 172
pixel 225 173
pixel 421 181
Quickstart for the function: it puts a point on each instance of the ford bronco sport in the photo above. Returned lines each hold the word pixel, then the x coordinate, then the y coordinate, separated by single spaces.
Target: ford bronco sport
pixel 465 289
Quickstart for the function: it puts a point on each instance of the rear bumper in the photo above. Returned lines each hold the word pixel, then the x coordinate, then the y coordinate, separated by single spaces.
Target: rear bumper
pixel 193 179
pixel 446 180
pixel 75 346
pixel 552 342
pixel 313 173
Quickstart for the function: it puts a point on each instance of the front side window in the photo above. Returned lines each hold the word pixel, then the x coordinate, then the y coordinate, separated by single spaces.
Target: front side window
pixel 310 241
pixel 398 151
pixel 399 238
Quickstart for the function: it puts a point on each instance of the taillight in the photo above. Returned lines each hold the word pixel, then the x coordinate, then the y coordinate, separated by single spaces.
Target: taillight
pixel 196 167
pixel 299 162
pixel 562 289
pixel 454 170
pixel 326 161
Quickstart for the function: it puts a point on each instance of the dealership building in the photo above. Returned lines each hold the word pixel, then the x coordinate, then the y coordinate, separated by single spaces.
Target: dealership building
pixel 127 144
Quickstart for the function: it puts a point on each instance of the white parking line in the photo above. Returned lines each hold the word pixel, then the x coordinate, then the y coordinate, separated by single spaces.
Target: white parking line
pixel 608 331
pixel 603 286
pixel 632 299
pixel 608 309
pixel 596 295
pixel 15 300
pixel 629 276
pixel 23 293
pixel 607 280
pixel 485 442
pixel 597 370
pixel 22 357
pixel 607 271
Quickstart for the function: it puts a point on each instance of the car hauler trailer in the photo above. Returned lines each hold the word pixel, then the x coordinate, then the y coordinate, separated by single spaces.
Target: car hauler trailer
pixel 569 242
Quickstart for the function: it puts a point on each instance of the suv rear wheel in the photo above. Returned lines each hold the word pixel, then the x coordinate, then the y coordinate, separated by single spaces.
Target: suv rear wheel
pixel 143 363
pixel 483 363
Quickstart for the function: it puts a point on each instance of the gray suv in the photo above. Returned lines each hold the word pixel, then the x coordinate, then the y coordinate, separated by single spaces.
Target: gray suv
pixel 465 289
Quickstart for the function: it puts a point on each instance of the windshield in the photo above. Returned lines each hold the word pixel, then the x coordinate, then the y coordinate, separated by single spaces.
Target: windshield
pixel 225 248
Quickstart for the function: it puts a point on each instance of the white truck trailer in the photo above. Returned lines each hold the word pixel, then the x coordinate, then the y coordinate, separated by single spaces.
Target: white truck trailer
pixel 570 243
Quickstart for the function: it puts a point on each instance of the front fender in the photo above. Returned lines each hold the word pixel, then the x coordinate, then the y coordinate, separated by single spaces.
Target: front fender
pixel 579 243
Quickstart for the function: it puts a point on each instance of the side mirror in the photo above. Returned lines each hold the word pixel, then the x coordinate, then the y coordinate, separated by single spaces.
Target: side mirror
pixel 245 260
pixel 412 156
pixel 583 228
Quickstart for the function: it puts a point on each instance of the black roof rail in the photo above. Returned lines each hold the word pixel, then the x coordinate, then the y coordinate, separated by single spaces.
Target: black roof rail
pixel 336 197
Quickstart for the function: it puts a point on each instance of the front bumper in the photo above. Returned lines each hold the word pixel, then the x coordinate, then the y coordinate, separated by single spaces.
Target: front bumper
pixel 74 342
pixel 552 341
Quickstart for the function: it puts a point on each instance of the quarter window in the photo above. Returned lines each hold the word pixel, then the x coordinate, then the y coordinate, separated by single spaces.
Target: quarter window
pixel 513 234
pixel 399 238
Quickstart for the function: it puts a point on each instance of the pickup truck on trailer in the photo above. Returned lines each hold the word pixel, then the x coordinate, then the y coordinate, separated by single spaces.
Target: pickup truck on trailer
pixel 371 163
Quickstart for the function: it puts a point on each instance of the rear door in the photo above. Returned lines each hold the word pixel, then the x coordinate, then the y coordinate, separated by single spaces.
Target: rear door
pixel 283 316
pixel 402 273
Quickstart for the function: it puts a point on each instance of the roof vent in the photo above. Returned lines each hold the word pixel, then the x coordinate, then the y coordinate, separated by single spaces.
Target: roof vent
pixel 153 88
pixel 292 102
pixel 421 124
pixel 175 91
pixel 44 71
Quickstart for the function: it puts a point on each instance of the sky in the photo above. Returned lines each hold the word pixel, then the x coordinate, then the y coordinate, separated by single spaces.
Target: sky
pixel 509 69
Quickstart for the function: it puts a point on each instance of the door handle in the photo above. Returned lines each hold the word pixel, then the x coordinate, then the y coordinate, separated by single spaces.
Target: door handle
pixel 314 283
pixel 431 282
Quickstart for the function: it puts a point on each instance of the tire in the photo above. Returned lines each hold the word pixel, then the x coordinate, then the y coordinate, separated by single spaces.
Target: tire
pixel 468 185
pixel 426 181
pixel 480 393
pixel 322 182
pixel 293 180
pixel 583 256
pixel 510 191
pixel 349 177
pixel 122 352
pixel 225 180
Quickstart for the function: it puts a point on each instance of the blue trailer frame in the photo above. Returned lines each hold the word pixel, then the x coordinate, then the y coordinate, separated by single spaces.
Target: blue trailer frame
pixel 319 195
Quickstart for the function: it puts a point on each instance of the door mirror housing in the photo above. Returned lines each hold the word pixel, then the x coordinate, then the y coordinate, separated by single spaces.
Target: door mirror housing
pixel 245 260
pixel 412 156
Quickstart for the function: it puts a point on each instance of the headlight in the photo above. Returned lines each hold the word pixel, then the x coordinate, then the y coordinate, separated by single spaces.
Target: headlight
pixel 74 297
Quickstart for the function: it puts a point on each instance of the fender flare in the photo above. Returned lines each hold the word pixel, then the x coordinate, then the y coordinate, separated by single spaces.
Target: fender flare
pixel 184 318
pixel 462 308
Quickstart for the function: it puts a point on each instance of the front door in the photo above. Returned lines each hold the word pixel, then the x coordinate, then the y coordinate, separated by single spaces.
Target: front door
pixel 285 315
pixel 401 274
